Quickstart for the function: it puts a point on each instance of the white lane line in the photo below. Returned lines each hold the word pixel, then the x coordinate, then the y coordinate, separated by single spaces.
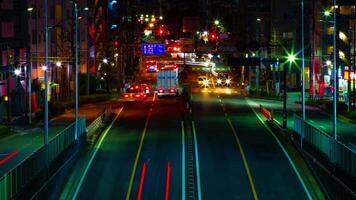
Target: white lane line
pixel 183 161
pixel 197 160
pixel 97 147
pixel 283 149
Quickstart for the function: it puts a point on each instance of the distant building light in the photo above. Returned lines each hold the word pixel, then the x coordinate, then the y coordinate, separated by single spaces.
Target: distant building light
pixel 258 19
pixel 44 67
pixel 342 36
pixel 58 64
pixel 30 9
pixel 86 8
pixel 105 60
pixel 17 72
pixel 328 62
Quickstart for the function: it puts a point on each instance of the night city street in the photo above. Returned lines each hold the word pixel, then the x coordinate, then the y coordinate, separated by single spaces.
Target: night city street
pixel 177 99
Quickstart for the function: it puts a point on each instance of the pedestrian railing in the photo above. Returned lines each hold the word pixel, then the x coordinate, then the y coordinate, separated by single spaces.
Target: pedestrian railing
pixel 13 182
pixel 335 151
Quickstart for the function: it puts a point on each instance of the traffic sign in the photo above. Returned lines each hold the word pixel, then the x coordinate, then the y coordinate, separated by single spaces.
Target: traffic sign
pixel 152 49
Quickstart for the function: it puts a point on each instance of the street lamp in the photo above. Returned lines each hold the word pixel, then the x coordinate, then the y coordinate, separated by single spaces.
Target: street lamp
pixel 17 72
pixel 58 64
pixel 326 13
pixel 216 22
pixel 105 60
pixel 258 19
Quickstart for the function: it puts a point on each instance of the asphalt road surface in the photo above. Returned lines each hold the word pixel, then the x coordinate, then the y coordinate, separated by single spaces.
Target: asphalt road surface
pixel 160 150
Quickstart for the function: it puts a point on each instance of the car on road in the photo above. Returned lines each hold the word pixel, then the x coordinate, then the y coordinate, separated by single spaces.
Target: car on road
pixel 223 80
pixel 203 81
pixel 136 92
pixel 146 88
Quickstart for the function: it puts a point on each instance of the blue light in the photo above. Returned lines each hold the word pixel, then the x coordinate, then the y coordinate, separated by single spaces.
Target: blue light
pixel 114 26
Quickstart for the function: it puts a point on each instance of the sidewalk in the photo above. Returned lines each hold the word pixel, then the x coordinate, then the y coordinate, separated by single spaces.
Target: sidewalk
pixel 315 116
pixel 17 147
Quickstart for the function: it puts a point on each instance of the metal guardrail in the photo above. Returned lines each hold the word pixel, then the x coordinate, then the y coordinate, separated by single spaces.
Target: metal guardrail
pixel 336 152
pixel 13 182
pixel 99 121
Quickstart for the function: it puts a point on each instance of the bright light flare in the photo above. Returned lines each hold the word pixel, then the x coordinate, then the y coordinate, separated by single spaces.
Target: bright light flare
pixel 228 81
pixel 205 82
pixel 219 81
pixel 17 72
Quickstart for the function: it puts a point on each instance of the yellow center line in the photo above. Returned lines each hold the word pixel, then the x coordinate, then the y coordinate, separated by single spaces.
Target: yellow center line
pixel 252 185
pixel 138 153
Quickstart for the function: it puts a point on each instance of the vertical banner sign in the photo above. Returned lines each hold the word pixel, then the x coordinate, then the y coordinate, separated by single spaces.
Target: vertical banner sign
pixel 152 49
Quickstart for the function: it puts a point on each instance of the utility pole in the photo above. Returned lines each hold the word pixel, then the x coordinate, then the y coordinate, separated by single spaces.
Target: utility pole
pixel 46 85
pixel 76 69
pixel 257 79
pixel 335 74
pixel 88 50
pixel 285 98
pixel 29 77
pixel 8 110
pixel 303 77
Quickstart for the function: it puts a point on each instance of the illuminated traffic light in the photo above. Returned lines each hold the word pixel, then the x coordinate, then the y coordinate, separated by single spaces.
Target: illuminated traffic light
pixel 160 32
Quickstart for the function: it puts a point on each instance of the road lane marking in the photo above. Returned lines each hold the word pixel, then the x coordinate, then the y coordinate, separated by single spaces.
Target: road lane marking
pixel 138 153
pixel 197 160
pixel 252 185
pixel 97 147
pixel 183 161
pixel 283 149
pixel 8 157
pixel 143 173
pixel 168 180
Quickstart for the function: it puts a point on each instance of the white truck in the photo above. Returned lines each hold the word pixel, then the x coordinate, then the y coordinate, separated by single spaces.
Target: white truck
pixel 167 81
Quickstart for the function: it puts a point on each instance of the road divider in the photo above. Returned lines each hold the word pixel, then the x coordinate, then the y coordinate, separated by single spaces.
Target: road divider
pixel 266 113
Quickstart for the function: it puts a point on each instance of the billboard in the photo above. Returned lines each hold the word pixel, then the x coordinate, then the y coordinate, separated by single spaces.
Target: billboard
pixel 152 49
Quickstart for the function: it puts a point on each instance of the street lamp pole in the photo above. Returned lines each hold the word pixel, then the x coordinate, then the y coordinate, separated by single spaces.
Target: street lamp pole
pixel 285 98
pixel 335 74
pixel 46 83
pixel 303 78
pixel 76 69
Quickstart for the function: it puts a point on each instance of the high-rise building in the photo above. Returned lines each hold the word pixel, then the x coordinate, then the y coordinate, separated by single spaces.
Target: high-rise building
pixel 14 51
pixel 61 32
